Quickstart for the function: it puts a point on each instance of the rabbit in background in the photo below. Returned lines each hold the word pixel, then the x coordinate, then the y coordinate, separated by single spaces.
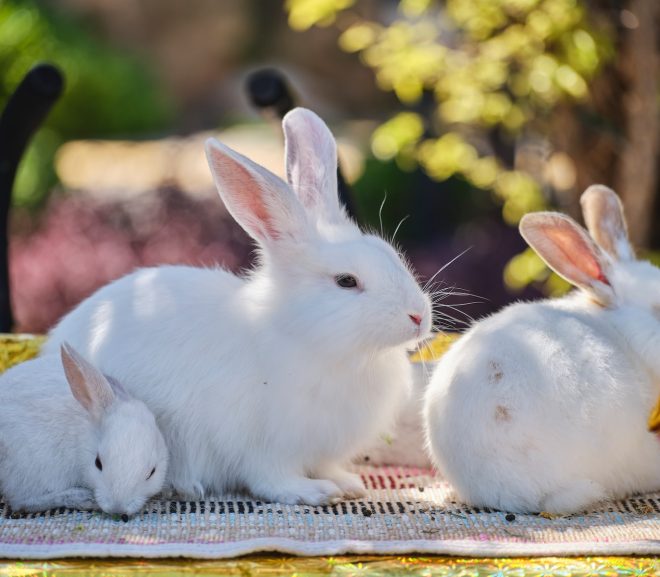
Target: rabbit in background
pixel 270 382
pixel 96 448
pixel 404 444
pixel 544 405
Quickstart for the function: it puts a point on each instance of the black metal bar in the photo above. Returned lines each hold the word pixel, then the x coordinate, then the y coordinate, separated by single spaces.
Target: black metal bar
pixel 269 92
pixel 26 109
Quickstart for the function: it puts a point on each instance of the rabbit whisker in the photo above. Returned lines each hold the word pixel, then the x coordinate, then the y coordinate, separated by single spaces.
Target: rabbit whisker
pixel 380 213
pixel 453 260
pixel 398 226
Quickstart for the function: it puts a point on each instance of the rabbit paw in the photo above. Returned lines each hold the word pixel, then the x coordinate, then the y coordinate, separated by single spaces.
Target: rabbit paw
pixel 73 498
pixel 80 498
pixel 350 483
pixel 309 492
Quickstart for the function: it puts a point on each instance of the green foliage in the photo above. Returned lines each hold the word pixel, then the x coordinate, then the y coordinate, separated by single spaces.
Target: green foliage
pixel 491 66
pixel 106 94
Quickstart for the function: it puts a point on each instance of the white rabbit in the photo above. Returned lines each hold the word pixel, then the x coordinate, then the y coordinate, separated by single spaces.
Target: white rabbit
pixel 403 445
pixel 544 406
pixel 97 448
pixel 270 382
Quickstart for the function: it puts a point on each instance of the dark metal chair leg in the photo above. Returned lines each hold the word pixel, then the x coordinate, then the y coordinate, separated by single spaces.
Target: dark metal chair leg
pixel 26 109
pixel 269 92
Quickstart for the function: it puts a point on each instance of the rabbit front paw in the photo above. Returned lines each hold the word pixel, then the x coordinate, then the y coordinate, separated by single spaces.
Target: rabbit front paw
pixel 305 491
pixel 351 484
pixel 80 498
pixel 72 498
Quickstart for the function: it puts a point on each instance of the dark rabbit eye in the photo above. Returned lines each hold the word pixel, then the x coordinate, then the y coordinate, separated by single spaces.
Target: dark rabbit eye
pixel 346 281
pixel 151 474
pixel 98 463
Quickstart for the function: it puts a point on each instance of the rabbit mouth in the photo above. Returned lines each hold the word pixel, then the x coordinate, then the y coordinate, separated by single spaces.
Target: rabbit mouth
pixel 112 507
pixel 134 506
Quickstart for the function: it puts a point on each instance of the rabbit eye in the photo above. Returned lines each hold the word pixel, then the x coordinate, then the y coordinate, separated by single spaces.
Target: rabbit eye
pixel 98 463
pixel 346 281
pixel 151 474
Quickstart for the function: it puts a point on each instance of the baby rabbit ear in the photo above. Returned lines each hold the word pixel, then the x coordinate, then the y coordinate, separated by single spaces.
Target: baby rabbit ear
pixel 262 203
pixel 603 215
pixel 88 385
pixel 567 249
pixel 311 163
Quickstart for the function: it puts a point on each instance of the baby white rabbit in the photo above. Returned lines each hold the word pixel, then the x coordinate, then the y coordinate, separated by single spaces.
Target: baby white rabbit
pixel 273 381
pixel 544 405
pixel 97 448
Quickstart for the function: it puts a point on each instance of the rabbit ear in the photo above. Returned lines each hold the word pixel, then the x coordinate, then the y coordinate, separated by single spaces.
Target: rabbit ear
pixel 311 162
pixel 567 249
pixel 262 203
pixel 88 385
pixel 603 215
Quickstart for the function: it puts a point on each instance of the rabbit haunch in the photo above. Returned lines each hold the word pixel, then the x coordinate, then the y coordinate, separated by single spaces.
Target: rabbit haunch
pixel 544 406
pixel 70 437
pixel 273 381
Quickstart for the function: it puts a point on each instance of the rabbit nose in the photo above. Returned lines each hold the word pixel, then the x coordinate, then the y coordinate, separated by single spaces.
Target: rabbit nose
pixel 417 319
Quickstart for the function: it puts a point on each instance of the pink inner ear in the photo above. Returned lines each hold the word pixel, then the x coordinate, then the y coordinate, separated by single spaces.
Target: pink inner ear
pixel 77 382
pixel 249 199
pixel 253 201
pixel 575 250
pixel 602 278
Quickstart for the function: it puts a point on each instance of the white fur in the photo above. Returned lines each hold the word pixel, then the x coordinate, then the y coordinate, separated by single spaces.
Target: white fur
pixel 403 444
pixel 49 440
pixel 273 381
pixel 544 406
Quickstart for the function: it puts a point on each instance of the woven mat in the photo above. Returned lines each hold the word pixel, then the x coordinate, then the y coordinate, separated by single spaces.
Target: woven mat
pixel 407 511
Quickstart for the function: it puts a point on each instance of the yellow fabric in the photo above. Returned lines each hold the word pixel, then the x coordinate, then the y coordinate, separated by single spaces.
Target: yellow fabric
pixel 433 349
pixel 15 349
pixel 654 419
pixel 265 565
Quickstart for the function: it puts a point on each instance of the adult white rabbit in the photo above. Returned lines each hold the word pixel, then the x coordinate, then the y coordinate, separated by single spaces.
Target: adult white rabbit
pixel 544 406
pixel 272 381
pixel 96 448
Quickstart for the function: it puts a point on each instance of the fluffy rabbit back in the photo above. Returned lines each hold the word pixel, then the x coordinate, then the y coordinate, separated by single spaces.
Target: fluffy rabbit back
pixel 544 405
pixel 272 381
pixel 81 450
pixel 40 423
pixel 522 417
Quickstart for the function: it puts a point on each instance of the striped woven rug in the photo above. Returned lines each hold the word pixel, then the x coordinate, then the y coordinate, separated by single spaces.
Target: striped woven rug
pixel 407 511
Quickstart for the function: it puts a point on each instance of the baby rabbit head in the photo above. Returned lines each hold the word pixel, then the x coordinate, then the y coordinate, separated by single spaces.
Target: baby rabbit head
pixel 319 271
pixel 603 264
pixel 127 461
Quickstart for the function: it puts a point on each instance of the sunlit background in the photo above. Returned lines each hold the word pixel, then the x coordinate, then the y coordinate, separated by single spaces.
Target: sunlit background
pixel 461 115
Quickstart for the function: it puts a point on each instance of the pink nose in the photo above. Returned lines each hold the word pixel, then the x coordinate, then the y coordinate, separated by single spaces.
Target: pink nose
pixel 416 319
